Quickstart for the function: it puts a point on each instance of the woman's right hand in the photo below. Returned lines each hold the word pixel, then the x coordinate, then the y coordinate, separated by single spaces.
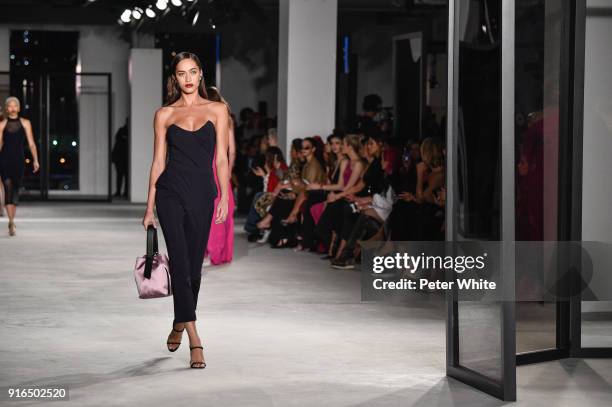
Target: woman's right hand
pixel 148 219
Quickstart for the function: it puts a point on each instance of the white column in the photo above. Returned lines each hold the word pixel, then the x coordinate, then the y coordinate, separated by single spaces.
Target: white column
pixel 306 69
pixel 145 74
pixel 4 49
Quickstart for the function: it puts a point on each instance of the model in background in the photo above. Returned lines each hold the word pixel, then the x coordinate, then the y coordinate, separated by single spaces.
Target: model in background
pixel 119 157
pixel 220 247
pixel 14 131
pixel 194 132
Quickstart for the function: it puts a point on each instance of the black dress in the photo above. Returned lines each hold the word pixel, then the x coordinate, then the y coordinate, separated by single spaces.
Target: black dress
pixel 185 194
pixel 12 164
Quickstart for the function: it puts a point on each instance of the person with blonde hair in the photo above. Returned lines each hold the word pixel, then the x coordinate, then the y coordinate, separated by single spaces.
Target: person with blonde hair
pixel 14 132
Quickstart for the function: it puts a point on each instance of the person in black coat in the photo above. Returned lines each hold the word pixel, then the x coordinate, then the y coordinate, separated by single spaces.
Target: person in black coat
pixel 119 157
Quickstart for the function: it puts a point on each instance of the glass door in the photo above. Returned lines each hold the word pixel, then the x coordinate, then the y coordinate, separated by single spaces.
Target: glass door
pixel 71 122
pixel 480 193
pixel 543 150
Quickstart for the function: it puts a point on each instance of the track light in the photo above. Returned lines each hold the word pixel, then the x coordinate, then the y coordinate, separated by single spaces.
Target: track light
pixel 150 12
pixel 137 13
pixel 161 4
pixel 194 18
pixel 126 16
pixel 176 3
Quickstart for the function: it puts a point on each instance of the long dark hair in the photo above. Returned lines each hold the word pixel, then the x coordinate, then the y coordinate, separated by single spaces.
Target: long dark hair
pixel 271 154
pixel 214 95
pixel 318 145
pixel 172 85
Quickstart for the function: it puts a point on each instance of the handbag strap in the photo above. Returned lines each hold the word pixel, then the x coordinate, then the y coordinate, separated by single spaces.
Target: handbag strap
pixel 151 240
pixel 151 250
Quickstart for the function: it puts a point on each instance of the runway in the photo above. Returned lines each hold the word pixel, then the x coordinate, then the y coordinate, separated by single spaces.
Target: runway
pixel 279 329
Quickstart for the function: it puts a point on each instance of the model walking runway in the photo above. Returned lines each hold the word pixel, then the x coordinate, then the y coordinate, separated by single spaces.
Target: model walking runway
pixel 185 195
pixel 191 136
pixel 15 132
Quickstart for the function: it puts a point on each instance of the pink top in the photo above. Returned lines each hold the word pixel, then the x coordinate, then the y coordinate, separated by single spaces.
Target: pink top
pixel 346 175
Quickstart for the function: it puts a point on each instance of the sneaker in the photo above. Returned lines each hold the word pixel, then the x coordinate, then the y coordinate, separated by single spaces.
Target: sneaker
pixel 264 237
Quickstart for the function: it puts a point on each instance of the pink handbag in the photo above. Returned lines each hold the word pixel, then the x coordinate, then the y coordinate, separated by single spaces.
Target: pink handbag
pixel 151 272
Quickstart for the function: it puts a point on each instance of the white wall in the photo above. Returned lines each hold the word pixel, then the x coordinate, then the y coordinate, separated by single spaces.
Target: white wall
pixel 240 83
pixel 145 75
pixel 597 138
pixel 307 68
pixel 4 48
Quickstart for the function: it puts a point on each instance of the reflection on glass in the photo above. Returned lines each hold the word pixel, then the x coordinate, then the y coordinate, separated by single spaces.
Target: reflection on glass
pixel 479 171
pixel 479 131
pixel 63 130
pixel 596 326
pixel 538 56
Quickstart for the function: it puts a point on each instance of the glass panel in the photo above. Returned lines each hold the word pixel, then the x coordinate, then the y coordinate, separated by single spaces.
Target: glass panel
pixel 32 55
pixel 597 170
pixel 478 171
pixel 408 81
pixel 539 79
pixel 63 133
pixel 78 135
pixel 480 338
pixel 596 326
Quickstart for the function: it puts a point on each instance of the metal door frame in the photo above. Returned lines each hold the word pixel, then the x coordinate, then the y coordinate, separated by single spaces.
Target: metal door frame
pixel 505 388
pixel 44 135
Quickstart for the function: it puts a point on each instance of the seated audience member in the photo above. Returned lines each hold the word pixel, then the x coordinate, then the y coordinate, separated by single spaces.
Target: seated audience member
pixel 405 209
pixel 349 173
pixel 272 173
pixel 284 194
pixel 429 219
pixel 284 218
pixel 373 212
pixel 317 192
pixel 248 183
pixel 372 181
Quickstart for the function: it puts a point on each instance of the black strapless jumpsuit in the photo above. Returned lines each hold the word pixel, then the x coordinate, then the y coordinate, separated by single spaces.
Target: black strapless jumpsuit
pixel 184 198
pixel 12 163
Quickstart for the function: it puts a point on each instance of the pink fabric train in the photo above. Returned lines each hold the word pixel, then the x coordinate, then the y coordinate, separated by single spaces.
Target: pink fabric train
pixel 220 246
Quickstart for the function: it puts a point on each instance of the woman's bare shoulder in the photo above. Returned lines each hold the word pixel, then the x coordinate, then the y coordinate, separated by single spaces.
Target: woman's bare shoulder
pixel 217 108
pixel 162 114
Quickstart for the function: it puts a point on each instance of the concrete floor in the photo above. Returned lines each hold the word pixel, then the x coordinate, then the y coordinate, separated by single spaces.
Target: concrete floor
pixel 279 328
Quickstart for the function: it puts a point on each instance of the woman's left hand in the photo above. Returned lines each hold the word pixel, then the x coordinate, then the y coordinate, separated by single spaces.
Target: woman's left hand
pixel 221 210
pixel 35 166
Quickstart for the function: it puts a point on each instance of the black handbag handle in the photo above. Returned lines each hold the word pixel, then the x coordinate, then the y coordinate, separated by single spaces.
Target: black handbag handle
pixel 151 250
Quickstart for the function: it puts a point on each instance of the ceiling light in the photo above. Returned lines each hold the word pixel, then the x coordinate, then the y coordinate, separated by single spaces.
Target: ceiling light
pixel 150 12
pixel 137 13
pixel 194 19
pixel 161 4
pixel 176 3
pixel 126 15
